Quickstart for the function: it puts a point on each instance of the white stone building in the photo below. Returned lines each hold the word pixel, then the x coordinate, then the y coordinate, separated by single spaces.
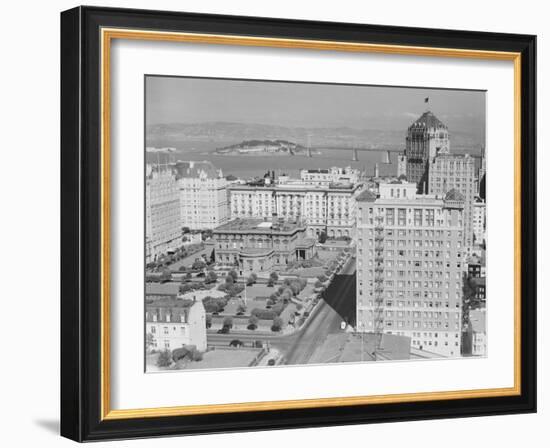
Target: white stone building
pixel 203 195
pixel 162 211
pixel 328 209
pixel 173 323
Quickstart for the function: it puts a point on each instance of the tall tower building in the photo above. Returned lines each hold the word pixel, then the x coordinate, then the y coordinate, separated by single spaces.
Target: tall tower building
pixel 426 138
pixel 162 211
pixel 409 266
pixel 448 172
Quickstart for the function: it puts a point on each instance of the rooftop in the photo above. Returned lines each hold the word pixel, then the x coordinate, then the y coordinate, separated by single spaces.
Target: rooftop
pixel 169 310
pixel 194 169
pixel 256 225
pixel 428 120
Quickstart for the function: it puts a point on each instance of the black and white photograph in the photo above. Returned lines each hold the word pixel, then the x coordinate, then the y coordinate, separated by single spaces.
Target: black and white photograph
pixel 296 223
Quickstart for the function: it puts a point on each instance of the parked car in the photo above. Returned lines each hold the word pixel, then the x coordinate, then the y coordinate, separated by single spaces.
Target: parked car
pixel 236 343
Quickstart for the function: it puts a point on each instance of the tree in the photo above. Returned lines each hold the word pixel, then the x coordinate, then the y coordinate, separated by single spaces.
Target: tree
pixel 198 264
pixel 188 276
pixel 164 359
pixel 402 177
pixel 233 274
pixel 241 309
pixel 318 284
pixel 229 279
pixel 185 287
pixel 185 229
pixel 251 279
pixel 228 322
pixel 208 320
pixel 253 322
pixel 274 276
pixel 213 256
pixel 323 237
pixel 211 277
pixel 277 324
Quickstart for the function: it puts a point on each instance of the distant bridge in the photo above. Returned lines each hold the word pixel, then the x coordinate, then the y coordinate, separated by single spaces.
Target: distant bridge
pixel 355 151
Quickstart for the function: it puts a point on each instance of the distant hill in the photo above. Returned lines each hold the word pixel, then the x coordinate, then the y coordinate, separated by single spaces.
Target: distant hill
pixel 223 132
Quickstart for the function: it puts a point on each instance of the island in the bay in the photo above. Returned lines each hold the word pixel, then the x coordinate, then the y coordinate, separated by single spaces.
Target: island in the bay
pixel 263 147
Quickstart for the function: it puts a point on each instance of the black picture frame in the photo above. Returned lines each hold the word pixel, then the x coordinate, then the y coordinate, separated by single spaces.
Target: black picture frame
pixel 81 224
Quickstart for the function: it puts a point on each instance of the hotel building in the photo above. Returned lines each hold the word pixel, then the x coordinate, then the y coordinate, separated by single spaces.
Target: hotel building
pixel 255 245
pixel 426 138
pixel 203 195
pixel 162 211
pixel 329 209
pixel 174 323
pixel 448 172
pixel 409 266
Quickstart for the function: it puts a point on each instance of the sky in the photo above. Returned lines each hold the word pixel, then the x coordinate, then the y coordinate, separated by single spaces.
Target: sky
pixel 196 100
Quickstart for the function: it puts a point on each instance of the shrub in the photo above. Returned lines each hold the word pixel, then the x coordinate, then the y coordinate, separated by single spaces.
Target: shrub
pixel 214 304
pixel 322 278
pixel 235 289
pixel 263 314
pixel 229 279
pixel 198 265
pixel 185 287
pixel 196 356
pixel 180 353
pixel 164 359
pixel 318 284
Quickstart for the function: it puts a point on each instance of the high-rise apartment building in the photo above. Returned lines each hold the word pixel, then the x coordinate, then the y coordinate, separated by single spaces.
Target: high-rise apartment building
pixel 426 138
pixel 328 209
pixel 203 195
pixel 162 211
pixel 448 172
pixel 409 266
